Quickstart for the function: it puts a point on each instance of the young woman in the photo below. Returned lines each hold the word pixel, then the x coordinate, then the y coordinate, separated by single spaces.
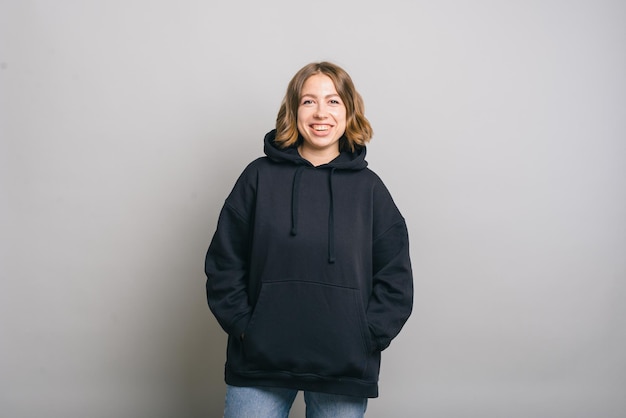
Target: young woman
pixel 309 270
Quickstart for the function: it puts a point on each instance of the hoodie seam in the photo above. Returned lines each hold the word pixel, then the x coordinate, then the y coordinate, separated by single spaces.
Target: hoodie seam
pixel 401 221
pixel 313 282
pixel 237 213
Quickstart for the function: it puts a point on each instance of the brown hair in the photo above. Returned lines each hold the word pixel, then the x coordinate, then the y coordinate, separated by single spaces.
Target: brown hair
pixel 358 129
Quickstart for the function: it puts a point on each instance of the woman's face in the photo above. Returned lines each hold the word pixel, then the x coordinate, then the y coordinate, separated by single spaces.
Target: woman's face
pixel 321 115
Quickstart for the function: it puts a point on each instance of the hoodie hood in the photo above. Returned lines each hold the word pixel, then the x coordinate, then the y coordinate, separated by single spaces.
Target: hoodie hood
pixel 350 161
pixel 345 161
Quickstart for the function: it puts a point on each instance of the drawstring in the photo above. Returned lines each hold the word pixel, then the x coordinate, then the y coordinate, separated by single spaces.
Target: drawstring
pixel 295 192
pixel 294 200
pixel 331 220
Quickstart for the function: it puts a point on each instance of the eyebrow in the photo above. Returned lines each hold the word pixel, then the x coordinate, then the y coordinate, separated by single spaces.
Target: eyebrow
pixel 315 97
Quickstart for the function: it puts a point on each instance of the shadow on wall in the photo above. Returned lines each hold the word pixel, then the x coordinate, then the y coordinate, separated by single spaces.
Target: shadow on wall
pixel 201 352
pixel 203 357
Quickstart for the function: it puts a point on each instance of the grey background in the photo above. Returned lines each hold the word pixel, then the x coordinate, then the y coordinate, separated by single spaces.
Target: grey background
pixel 499 129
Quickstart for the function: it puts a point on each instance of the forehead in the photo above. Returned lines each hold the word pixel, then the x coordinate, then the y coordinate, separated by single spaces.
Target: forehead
pixel 317 84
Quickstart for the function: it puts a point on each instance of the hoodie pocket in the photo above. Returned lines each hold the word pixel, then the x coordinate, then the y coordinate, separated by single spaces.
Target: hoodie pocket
pixel 308 328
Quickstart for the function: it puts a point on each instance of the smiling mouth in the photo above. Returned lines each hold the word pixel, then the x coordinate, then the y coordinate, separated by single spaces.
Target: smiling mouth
pixel 320 127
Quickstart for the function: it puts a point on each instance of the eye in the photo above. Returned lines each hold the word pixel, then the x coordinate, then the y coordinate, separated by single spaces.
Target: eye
pixel 307 102
pixel 335 101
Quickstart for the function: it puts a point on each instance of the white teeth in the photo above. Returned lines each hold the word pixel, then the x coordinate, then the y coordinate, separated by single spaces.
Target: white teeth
pixel 320 127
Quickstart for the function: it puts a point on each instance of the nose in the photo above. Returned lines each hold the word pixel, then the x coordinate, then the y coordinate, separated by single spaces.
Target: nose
pixel 320 111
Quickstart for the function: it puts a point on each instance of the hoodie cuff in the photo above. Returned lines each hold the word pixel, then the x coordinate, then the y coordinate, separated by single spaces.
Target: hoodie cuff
pixel 378 344
pixel 238 327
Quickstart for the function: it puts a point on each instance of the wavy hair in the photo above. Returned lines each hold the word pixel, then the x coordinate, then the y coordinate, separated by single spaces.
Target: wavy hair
pixel 358 129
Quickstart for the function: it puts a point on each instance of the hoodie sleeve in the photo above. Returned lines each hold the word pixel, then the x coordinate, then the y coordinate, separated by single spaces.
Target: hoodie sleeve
pixel 227 259
pixel 391 301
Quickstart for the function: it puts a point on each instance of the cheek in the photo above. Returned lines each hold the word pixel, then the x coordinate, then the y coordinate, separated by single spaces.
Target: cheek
pixel 302 115
pixel 340 116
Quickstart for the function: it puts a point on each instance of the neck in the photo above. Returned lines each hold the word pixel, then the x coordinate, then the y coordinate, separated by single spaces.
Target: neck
pixel 318 157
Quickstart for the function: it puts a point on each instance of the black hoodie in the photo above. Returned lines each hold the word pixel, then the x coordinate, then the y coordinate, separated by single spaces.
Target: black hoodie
pixel 309 273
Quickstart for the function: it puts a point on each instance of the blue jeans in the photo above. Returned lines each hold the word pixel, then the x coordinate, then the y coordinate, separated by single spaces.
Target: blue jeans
pixel 260 402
